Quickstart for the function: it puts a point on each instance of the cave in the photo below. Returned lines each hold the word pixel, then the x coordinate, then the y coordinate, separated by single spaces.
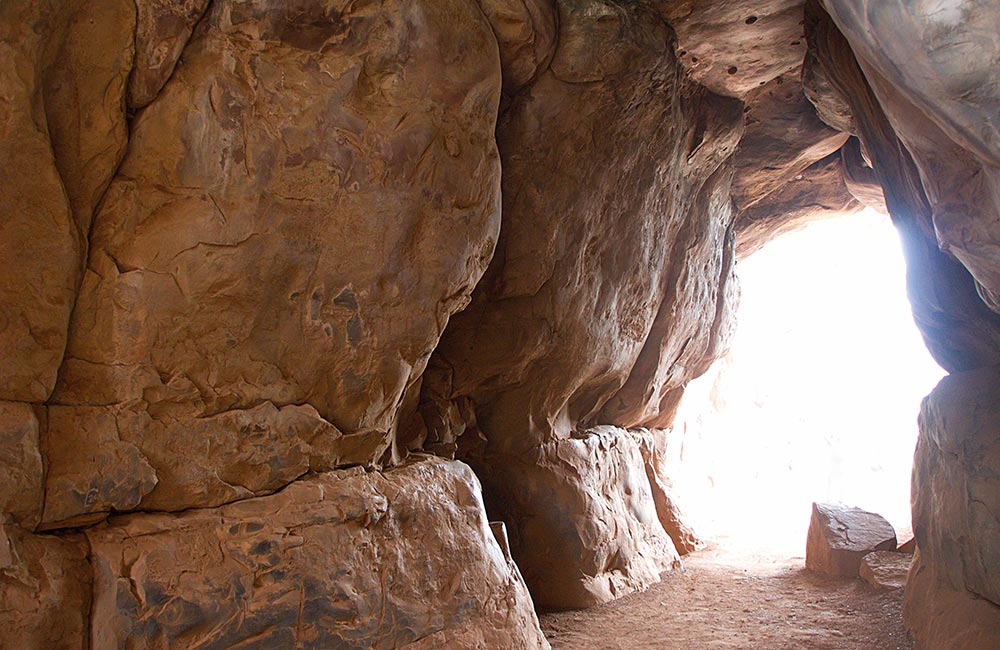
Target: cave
pixel 351 324
pixel 816 399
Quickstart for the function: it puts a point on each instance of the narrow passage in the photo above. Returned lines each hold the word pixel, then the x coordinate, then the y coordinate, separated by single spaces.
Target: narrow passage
pixel 724 599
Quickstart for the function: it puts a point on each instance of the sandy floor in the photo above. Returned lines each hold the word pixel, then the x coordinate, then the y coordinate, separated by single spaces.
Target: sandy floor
pixel 725 599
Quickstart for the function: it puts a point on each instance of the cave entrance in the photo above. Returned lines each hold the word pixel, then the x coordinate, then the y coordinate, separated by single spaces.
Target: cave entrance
pixel 817 399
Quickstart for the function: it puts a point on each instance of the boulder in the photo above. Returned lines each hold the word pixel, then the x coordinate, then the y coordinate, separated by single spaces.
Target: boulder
pixel 840 536
pixel 584 526
pixel 345 559
pixel 885 569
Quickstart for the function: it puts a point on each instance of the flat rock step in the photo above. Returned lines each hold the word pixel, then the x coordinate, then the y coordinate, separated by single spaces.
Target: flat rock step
pixel 885 569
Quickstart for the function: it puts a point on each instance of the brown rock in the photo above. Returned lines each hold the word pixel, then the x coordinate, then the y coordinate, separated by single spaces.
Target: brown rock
pixel 839 536
pixel 355 154
pixel 45 590
pixel 885 569
pixel 583 524
pixel 596 233
pixel 941 616
pixel 956 493
pixel 162 29
pixel 21 488
pixel 526 33
pixel 62 132
pixel 735 46
pixel 652 445
pixel 782 138
pixel 346 559
pixel 819 192
pixel 909 546
pixel 961 332
pixel 933 73
pixel 147 461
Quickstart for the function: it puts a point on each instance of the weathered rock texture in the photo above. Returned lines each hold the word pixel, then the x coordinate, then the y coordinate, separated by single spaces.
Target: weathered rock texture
pixel 45 592
pixel 610 289
pixel 885 569
pixel 278 254
pixel 583 523
pixel 261 569
pixel 237 238
pixel 840 536
pixel 956 502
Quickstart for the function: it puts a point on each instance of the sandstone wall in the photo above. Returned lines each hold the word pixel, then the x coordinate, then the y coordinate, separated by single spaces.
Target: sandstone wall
pixel 258 258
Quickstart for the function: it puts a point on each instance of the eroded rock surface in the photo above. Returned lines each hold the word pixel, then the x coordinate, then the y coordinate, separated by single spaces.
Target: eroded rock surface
pixel 45 590
pixel 299 214
pixel 235 234
pixel 885 569
pixel 584 527
pixel 62 133
pixel 957 487
pixel 347 559
pixel 840 536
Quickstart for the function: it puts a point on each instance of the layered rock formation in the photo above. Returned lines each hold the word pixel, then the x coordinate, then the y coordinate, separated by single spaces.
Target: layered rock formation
pixel 255 254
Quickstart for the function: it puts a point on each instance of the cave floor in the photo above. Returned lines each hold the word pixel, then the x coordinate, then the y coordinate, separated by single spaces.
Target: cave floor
pixel 728 599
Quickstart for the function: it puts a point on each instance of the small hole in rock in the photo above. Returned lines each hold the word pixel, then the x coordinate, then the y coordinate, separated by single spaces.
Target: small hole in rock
pixel 732 69
pixel 751 20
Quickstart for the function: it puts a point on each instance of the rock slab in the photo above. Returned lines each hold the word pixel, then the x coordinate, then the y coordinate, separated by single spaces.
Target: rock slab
pixel 840 536
pixel 345 559
pixel 885 569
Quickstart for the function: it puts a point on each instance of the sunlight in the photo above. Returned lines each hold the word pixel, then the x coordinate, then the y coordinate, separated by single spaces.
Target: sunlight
pixel 818 397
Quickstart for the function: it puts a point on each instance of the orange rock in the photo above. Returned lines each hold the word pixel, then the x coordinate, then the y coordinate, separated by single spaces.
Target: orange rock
pixel 885 569
pixel 840 536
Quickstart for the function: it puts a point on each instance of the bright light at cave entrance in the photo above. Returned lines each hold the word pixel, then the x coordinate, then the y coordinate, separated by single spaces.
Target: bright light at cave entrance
pixel 818 398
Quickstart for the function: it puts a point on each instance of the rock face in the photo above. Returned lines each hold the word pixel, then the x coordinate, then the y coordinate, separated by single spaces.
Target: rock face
pixel 62 133
pixel 566 495
pixel 373 198
pixel 45 592
pixel 955 491
pixel 840 536
pixel 245 245
pixel 260 570
pixel 885 569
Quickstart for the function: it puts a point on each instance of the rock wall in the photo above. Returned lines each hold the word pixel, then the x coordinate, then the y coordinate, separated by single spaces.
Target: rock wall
pixel 258 258
pixel 953 594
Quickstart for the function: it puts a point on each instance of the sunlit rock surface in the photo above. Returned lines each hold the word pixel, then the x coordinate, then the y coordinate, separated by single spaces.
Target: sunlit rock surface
pixel 840 536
